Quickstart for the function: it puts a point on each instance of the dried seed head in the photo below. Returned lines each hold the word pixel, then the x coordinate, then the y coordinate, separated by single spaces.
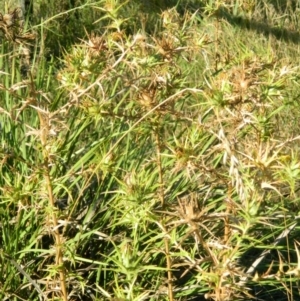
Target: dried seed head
pixel 96 45
pixel 8 20
pixel 139 38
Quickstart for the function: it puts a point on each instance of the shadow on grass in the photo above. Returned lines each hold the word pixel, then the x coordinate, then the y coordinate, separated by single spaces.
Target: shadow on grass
pixel 259 26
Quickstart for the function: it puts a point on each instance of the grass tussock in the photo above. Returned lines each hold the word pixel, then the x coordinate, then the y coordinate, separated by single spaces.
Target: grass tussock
pixel 149 151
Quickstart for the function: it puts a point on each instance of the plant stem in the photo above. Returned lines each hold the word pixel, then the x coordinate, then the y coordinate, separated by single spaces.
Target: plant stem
pixel 162 199
pixel 169 266
pixel 59 254
pixel 44 132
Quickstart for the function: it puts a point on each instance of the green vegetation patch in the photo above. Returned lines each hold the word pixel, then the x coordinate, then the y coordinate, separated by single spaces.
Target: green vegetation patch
pixel 149 151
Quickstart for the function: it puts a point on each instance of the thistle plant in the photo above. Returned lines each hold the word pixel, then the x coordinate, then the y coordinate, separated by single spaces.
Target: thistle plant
pixel 147 164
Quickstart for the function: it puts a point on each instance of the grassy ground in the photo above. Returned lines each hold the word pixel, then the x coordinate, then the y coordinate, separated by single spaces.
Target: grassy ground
pixel 150 152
